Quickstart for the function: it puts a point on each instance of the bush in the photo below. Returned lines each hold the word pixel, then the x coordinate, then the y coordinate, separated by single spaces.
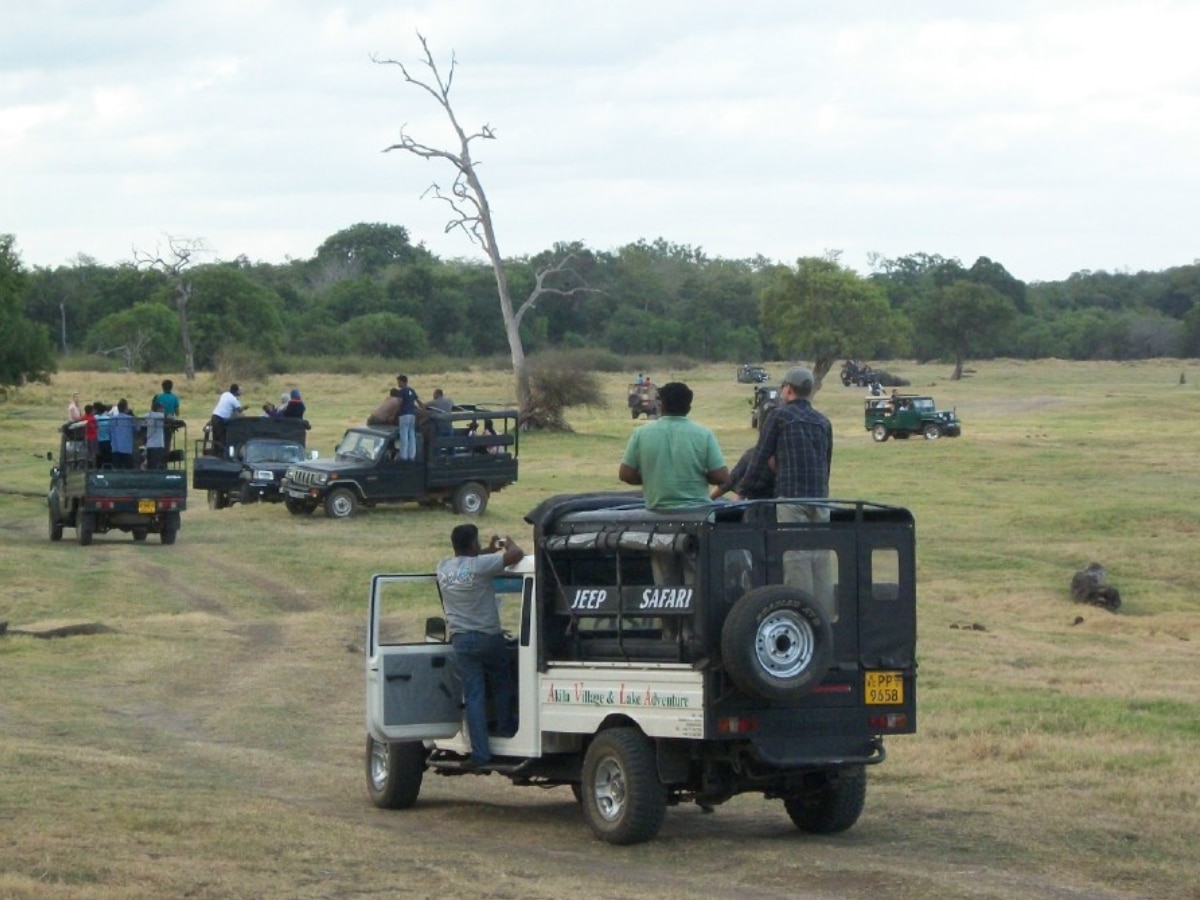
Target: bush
pixel 558 382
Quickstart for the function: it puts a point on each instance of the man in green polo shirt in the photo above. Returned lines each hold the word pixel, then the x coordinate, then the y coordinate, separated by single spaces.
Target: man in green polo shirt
pixel 674 460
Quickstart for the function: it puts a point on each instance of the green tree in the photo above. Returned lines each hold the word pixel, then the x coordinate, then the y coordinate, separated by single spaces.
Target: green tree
pixel 143 337
pixel 961 316
pixel 385 334
pixel 822 311
pixel 227 307
pixel 26 353
pixel 366 249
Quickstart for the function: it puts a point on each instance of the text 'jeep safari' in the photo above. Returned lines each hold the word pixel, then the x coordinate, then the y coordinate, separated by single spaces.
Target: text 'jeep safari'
pixel 667 658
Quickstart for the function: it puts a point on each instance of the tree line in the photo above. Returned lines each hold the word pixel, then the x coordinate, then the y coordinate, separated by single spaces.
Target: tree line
pixel 370 291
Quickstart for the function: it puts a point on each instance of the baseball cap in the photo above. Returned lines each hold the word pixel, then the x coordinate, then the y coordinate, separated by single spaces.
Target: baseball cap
pixel 798 377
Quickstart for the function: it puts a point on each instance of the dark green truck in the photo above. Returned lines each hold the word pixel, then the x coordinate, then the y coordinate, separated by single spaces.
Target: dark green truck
pixel 94 497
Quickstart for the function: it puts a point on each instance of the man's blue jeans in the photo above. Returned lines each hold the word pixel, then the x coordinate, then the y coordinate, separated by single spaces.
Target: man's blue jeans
pixel 482 662
pixel 407 427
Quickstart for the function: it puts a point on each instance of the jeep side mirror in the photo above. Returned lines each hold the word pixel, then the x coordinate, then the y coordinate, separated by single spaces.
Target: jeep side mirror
pixel 435 630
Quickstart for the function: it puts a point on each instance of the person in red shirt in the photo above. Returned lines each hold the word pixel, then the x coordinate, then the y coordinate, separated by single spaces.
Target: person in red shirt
pixel 91 433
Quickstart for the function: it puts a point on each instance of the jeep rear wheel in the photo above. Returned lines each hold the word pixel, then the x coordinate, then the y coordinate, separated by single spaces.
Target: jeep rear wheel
pixel 833 807
pixel 776 643
pixel 85 526
pixel 140 532
pixel 394 773
pixel 470 499
pixel 623 800
pixel 880 432
pixel 931 430
pixel 340 503
pixel 170 528
pixel 56 527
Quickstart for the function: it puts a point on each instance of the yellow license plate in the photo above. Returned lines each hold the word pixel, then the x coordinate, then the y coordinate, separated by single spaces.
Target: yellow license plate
pixel 146 507
pixel 884 688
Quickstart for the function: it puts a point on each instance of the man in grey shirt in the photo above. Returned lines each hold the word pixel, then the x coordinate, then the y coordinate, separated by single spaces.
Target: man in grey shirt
pixel 465 582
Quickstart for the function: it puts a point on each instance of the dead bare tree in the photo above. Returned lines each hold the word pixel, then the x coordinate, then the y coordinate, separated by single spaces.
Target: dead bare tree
pixel 181 253
pixel 472 214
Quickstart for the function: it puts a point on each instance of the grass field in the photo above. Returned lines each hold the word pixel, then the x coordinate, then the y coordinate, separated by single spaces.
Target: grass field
pixel 209 745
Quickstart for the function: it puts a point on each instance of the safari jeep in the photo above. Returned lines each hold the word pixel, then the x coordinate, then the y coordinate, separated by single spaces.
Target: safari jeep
pixel 903 415
pixel 750 673
pixel 455 464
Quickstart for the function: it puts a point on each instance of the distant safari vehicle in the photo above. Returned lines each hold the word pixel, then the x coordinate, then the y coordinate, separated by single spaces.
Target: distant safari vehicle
pixel 903 415
pixel 748 374
pixel 643 398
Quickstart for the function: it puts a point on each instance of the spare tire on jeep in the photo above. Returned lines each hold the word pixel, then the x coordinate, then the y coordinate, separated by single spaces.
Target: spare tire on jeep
pixel 776 643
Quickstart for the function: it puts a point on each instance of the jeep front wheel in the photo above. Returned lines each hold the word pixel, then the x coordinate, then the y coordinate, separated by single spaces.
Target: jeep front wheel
pixel 341 503
pixel 217 500
pixel 56 527
pixel 623 800
pixel 394 773
pixel 470 499
pixel 776 643
pixel 931 431
pixel 834 806
pixel 880 433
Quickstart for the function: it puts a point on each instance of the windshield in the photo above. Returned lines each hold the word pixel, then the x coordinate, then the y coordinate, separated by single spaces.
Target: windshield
pixel 274 453
pixel 360 445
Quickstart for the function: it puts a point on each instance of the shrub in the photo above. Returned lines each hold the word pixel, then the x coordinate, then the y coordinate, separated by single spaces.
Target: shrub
pixel 557 382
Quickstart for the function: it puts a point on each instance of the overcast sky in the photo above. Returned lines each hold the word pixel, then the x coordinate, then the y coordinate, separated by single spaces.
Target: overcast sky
pixel 1050 136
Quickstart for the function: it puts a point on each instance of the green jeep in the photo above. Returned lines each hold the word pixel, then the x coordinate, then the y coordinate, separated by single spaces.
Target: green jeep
pixel 903 415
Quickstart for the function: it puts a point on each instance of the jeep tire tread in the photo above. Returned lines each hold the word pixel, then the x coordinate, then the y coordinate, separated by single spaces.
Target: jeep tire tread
pixel 470 499
pixel 85 527
pixel 297 507
pixel 880 433
pixel 394 773
pixel 623 800
pixel 341 503
pixel 56 527
pixel 832 808
pixel 776 643
pixel 931 431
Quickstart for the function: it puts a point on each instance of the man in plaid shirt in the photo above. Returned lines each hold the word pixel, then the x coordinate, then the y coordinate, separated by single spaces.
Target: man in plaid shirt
pixel 800 440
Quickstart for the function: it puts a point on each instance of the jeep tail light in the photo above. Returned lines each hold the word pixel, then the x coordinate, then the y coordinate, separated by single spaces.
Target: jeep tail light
pixel 737 725
pixel 888 722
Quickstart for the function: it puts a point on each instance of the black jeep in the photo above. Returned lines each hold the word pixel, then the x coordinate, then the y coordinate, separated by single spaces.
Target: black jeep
pixel 251 463
pixel 456 462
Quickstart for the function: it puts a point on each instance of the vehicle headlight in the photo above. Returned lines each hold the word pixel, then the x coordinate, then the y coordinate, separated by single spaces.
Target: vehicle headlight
pixel 264 475
pixel 322 478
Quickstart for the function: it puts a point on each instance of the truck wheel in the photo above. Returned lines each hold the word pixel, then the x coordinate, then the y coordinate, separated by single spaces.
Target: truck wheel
pixel 833 807
pixel 470 499
pixel 880 433
pixel 56 527
pixel 247 494
pixel 85 526
pixel 340 503
pixel 170 528
pixel 394 773
pixel 217 500
pixel 139 534
pixel 633 413
pixel 297 507
pixel 931 431
pixel 776 643
pixel 623 800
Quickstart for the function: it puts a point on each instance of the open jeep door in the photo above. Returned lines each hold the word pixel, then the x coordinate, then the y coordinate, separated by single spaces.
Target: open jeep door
pixel 413 691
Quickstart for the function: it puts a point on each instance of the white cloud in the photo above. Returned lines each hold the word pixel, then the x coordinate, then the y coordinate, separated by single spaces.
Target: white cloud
pixel 1049 136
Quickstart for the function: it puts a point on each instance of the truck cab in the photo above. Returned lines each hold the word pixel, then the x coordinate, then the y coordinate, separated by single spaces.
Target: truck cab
pixel 775 661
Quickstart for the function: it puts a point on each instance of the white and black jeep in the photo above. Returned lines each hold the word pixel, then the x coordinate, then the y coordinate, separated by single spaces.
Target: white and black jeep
pixel 641 692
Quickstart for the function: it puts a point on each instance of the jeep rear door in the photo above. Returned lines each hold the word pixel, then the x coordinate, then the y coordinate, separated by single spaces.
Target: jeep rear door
pixel 413 691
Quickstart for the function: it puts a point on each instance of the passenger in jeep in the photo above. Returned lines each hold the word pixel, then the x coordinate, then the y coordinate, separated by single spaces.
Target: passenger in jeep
pixel 473 619
pixel 800 440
